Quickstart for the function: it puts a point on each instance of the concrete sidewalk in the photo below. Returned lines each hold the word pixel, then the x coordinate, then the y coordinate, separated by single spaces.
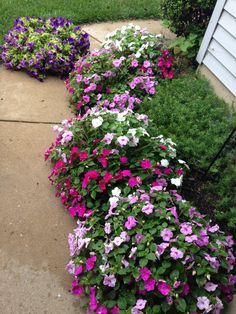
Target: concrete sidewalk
pixel 34 226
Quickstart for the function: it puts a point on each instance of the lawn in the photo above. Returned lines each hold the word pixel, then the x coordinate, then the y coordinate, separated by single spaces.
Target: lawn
pixel 79 11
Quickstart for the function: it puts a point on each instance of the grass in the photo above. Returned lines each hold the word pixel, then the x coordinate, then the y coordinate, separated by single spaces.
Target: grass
pixel 187 110
pixel 79 11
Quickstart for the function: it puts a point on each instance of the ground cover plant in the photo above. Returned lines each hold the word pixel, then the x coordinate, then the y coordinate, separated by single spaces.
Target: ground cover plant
pixel 83 11
pixel 129 67
pixel 187 110
pixel 130 214
pixel 40 45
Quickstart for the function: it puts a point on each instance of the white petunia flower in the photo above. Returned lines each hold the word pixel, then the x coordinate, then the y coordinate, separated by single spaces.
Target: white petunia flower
pixel 164 163
pixel 97 122
pixel 177 181
pixel 116 191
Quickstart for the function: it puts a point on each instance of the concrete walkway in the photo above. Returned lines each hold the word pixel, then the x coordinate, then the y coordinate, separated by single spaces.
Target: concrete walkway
pixel 34 226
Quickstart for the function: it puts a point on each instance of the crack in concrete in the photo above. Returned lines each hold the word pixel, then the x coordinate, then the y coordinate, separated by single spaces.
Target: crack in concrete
pixel 33 122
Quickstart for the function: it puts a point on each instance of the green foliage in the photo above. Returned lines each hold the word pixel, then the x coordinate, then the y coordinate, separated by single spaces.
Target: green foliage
pixel 189 20
pixel 186 46
pixel 187 16
pixel 188 111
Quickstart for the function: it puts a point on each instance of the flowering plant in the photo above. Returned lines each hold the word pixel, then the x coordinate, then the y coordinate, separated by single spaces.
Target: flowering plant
pixel 40 45
pixel 153 254
pixel 132 39
pixel 113 80
pixel 94 154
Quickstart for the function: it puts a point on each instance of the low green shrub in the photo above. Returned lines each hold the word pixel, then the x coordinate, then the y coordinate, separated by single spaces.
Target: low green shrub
pixel 189 20
pixel 188 111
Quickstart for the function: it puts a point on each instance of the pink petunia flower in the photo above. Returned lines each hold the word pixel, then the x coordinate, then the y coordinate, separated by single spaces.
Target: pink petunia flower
pixel 166 234
pixel 109 281
pixel 203 303
pixel 186 228
pixel 130 223
pixel 175 253
pixel 147 209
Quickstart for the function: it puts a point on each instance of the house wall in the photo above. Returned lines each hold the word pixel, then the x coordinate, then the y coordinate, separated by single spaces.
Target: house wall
pixel 218 49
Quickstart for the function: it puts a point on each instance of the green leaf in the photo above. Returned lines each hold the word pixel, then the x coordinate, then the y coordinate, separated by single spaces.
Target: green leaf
pixel 151 256
pixel 122 303
pixel 181 305
pixel 143 262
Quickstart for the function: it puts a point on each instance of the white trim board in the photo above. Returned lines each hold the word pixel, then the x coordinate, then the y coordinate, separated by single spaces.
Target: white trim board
pixel 210 29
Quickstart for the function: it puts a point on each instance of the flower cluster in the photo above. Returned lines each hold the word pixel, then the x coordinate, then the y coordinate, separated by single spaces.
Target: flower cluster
pixel 154 254
pixel 95 153
pixel 117 78
pixel 39 45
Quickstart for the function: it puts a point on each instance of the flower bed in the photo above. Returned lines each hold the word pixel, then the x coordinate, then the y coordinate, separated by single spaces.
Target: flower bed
pixel 40 45
pixel 117 77
pixel 139 247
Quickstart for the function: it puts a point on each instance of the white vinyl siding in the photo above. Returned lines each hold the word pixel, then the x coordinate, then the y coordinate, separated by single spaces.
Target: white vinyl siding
pixel 218 49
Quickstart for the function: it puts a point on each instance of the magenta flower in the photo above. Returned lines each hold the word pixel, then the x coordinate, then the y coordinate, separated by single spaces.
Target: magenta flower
pixel 186 228
pixel 123 160
pixel 133 181
pixel 126 173
pixel 76 289
pixel 130 223
pixel 115 310
pixel 175 253
pixel 163 287
pixel 93 301
pixel 83 156
pixel 86 98
pixel 107 177
pixel 185 290
pixel 109 281
pixel 203 303
pixel 149 284
pixel 166 234
pixel 145 273
pixel 145 164
pixel 90 262
pixel 102 310
pixel 78 270
pixel 147 209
